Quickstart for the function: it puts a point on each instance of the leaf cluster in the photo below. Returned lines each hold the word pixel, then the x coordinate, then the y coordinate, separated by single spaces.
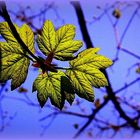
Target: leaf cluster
pixel 83 73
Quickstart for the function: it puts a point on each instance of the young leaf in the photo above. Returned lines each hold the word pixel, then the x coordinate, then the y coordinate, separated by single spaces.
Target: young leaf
pixel 40 84
pixel 25 33
pixel 65 45
pixel 49 85
pixel 67 89
pixel 81 85
pixel 27 36
pixel 85 72
pixel 61 42
pixel 65 50
pixel 41 99
pixel 65 33
pixel 91 59
pixel 14 60
pixel 7 33
pixel 13 65
pixel 47 41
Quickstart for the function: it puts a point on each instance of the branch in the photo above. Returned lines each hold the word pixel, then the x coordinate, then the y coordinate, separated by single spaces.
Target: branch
pixel 110 92
pixel 81 20
pixel 128 85
pixel 91 117
pixel 127 26
pixel 130 53
pixel 5 15
pixel 66 113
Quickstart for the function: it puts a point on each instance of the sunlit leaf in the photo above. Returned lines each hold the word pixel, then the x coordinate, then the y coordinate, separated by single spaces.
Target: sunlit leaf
pixel 6 32
pixel 65 50
pixel 41 84
pixel 65 45
pixel 47 41
pixel 81 85
pixel 92 59
pixel 65 33
pixel 14 60
pixel 13 65
pixel 61 42
pixel 49 85
pixel 27 36
pixel 85 73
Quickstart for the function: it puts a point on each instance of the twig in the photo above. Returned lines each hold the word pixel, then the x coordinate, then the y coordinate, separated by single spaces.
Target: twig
pixel 91 117
pixel 130 53
pixel 126 86
pixel 83 27
pixel 127 26
pixel 109 90
pixel 5 15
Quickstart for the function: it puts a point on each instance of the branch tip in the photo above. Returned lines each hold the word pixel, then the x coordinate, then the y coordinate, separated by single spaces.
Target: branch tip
pixel 2 7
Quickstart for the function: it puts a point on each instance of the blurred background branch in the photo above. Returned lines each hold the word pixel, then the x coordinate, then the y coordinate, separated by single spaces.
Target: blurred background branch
pixel 118 106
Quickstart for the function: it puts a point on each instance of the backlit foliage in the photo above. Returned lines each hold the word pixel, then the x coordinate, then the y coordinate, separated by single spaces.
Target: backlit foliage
pixel 83 73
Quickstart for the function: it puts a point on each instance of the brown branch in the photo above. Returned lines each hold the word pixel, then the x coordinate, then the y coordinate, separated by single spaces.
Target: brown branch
pixel 130 53
pixel 124 33
pixel 5 15
pixel 83 27
pixel 91 117
pixel 128 25
pixel 110 92
pixel 127 85
pixel 66 113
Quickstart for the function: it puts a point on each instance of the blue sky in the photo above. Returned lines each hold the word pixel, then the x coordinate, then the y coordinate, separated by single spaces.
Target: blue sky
pixel 25 123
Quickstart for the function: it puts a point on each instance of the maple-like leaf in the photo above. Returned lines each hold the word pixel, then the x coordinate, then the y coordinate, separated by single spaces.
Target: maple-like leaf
pixel 85 72
pixel 52 86
pixel 59 42
pixel 14 59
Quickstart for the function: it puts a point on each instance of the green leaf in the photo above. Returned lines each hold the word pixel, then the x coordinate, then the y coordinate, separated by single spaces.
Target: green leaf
pixel 6 32
pixel 13 65
pixel 65 50
pixel 65 45
pixel 14 60
pixel 41 84
pixel 49 85
pixel 92 59
pixel 81 84
pixel 47 41
pixel 84 72
pixel 42 46
pixel 25 33
pixel 65 33
pixel 27 36
pixel 61 42
pixel 67 89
